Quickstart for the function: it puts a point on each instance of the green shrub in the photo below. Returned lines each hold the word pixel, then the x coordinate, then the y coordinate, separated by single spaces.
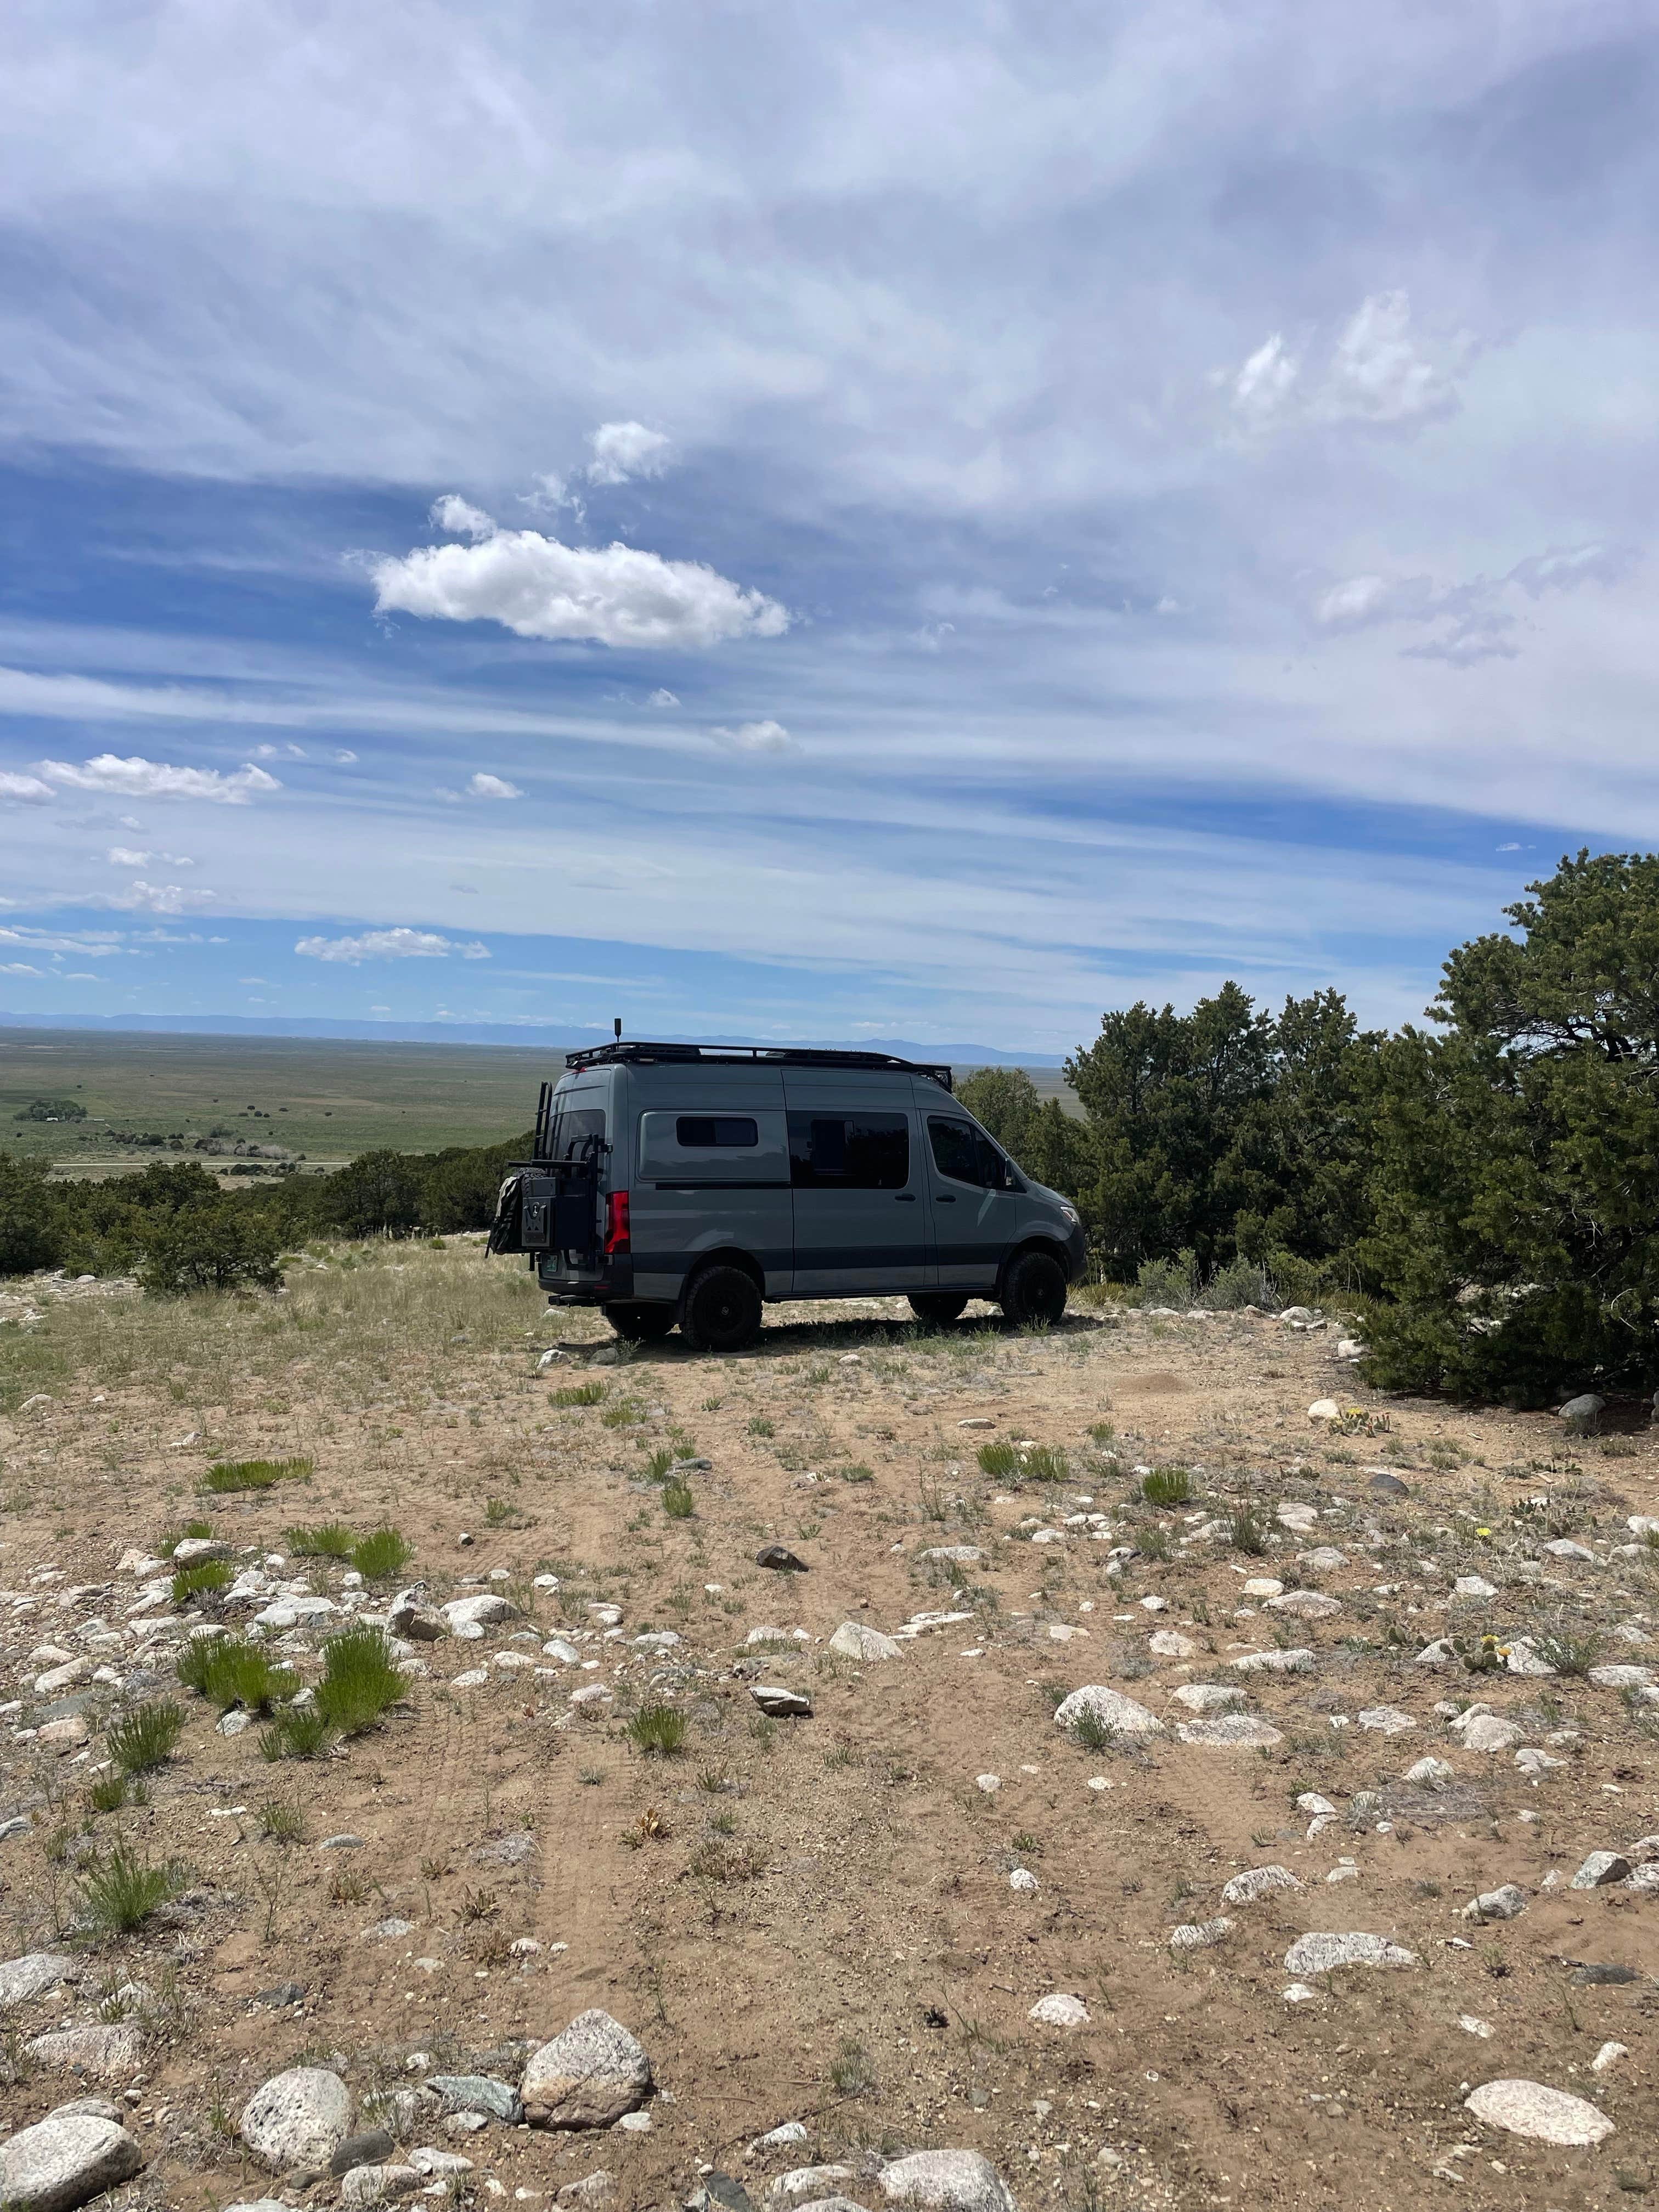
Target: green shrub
pixel 205 1577
pixel 381 1554
pixel 110 1792
pixel 233 1474
pixel 1240 1283
pixel 626 1413
pixel 329 1540
pixel 657 1729
pixel 658 1463
pixel 1045 1464
pixel 297 1732
pixel 145 1738
pixel 361 1680
pixel 229 1671
pixel 1001 1460
pixel 678 1501
pixel 220 1246
pixel 121 1891
pixel 1568 1654
pixel 1246 1533
pixel 1091 1733
pixel 1168 1485
pixel 1168 1282
pixel 580 1394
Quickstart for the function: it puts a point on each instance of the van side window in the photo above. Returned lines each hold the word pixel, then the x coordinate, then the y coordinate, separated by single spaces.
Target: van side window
pixel 578 1132
pixel 965 1156
pixel 708 1132
pixel 849 1151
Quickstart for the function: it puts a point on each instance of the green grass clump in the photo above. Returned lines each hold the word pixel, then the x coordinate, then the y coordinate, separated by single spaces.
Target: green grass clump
pixel 1168 1485
pixel 659 1464
pixel 1568 1654
pixel 1044 1463
pixel 297 1732
pixel 1089 1733
pixel 626 1413
pixel 232 1474
pixel 120 1892
pixel 232 1671
pixel 677 1502
pixel 110 1792
pixel 580 1394
pixel 658 1730
pixel 329 1540
pixel 361 1680
pixel 147 1737
pixel 761 1426
pixel 381 1554
pixel 999 1459
pixel 206 1576
pixel 283 1821
pixel 1246 1533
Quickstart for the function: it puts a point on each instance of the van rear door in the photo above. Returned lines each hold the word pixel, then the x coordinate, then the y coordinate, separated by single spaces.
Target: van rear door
pixel 855 1163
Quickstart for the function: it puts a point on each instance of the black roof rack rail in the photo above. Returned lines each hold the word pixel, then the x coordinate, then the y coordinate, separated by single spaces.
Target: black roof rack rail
pixel 753 1056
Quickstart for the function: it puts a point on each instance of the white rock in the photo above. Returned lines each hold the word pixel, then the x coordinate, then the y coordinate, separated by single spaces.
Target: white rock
pixel 1508 1903
pixel 33 1974
pixel 1324 1558
pixel 1300 1661
pixel 566 1653
pixel 587 2077
pixel 1298 1518
pixel 1306 1604
pixel 1600 1869
pixel 1260 1586
pixel 1230 1732
pixel 1608 2057
pixel 1531 1760
pixel 1208 1697
pixel 299 2117
pixel 1111 1709
pixel 1542 2114
pixel 1170 1643
pixel 1605 1677
pixel 379 2184
pixel 106 2053
pixel 1475 1586
pixel 805 2185
pixel 63 2160
pixel 1200 1934
pixel 1385 1720
pixel 1322 1953
pixel 1299 1993
pixel 1258 1882
pixel 1441 1653
pixel 1059 2010
pixel 855 1640
pixel 960 1555
pixel 487 1609
pixel 1472 2024
pixel 1311 1802
pixel 1023 1879
pixel 191 1551
pixel 1324 1409
pixel 1487 1732
pixel 1349 1348
pixel 945 2181
pixel 1564 1548
pixel 990 1783
pixel 1429 1774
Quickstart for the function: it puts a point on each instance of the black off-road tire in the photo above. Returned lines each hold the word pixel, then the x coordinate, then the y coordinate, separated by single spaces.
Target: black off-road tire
pixel 721 1310
pixel 938 1306
pixel 1033 1290
pixel 639 1324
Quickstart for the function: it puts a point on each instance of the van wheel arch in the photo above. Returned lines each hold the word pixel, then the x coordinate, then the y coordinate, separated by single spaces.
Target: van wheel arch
pixel 727 1256
pixel 1033 1248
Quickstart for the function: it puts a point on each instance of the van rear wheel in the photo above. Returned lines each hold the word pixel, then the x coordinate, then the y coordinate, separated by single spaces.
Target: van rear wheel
pixel 640 1324
pixel 938 1306
pixel 722 1310
pixel 1033 1290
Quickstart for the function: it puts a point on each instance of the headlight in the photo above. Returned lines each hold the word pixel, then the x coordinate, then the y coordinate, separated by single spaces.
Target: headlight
pixel 1070 1214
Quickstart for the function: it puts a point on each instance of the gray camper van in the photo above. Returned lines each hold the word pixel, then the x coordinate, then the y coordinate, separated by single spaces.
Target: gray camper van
pixel 691 1184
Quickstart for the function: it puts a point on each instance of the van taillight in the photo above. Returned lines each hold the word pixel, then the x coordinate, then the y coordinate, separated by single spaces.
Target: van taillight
pixel 616 1225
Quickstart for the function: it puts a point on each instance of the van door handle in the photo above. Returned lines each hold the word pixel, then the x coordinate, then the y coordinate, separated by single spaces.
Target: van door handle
pixel 907 1198
pixel 944 1198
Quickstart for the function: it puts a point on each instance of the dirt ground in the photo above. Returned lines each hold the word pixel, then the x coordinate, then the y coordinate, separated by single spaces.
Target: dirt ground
pixel 813 1919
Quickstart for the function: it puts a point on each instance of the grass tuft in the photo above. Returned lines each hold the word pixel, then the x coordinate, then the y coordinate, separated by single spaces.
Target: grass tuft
pixel 231 1474
pixel 361 1680
pixel 141 1740
pixel 120 1892
pixel 1168 1485
pixel 658 1730
pixel 232 1671
pixel 580 1394
pixel 1246 1533
pixel 297 1732
pixel 384 1552
pixel 678 1501
pixel 201 1580
pixel 329 1540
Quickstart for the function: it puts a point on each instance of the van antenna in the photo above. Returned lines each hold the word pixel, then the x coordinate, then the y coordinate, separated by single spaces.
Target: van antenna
pixel 617 1026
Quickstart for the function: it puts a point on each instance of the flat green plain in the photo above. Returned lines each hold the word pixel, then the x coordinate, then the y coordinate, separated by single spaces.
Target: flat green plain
pixel 328 1098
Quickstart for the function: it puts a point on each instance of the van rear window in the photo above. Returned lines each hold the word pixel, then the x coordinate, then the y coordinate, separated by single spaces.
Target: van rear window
pixel 849 1151
pixel 696 1132
pixel 578 1132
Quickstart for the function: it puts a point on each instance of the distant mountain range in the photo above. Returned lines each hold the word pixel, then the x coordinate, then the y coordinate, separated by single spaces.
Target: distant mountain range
pixel 527 1036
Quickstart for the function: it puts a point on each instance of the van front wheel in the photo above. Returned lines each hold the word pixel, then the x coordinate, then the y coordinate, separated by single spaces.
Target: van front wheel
pixel 938 1306
pixel 722 1311
pixel 640 1324
pixel 1033 1290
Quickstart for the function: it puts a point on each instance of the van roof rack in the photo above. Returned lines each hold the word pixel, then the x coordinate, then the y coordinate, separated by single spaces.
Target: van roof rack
pixel 753 1056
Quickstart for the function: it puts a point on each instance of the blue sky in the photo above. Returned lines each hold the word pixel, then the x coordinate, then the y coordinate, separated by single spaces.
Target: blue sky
pixel 880 521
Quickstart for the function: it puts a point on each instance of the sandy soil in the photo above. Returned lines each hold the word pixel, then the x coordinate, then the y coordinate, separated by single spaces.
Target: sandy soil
pixel 813 1919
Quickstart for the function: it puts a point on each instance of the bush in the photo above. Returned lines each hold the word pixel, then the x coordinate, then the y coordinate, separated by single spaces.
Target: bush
pixel 1167 1485
pixel 1246 1533
pixel 229 1671
pixel 580 1394
pixel 329 1540
pixel 120 1892
pixel 1000 1460
pixel 1240 1283
pixel 297 1732
pixel 678 1501
pixel 658 1730
pixel 218 1247
pixel 141 1740
pixel 1168 1282
pixel 201 1580
pixel 361 1680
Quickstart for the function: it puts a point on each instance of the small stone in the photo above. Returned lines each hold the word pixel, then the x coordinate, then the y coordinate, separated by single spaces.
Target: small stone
pixel 1429 1774
pixel 778 1702
pixel 33 1974
pixel 479 2093
pixel 107 2053
pixel 1311 1802
pixel 1475 1586
pixel 945 2181
pixel 373 2148
pixel 956 1555
pixel 1472 2024
pixel 990 1783
pixel 1170 1643
pixel 1324 1558
pixel 1384 1485
pixel 62 2161
pixel 1600 1869
pixel 487 1609
pixel 1322 1953
pixel 1540 2113
pixel 1620 1677
pixel 1258 1882
pixel 64 1734
pixel 806 2184
pixel 1306 1604
pixel 781 1559
pixel 1508 1903
pixel 1060 2011
pixel 1385 1720
pixel 1488 1732
pixel 379 2184
pixel 1298 1662
pixel 1111 1709
pixel 853 1640
pixel 1613 1975
pixel 1299 1993
pixel 1200 1935
pixel 1563 1547
pixel 1608 2057
pixel 1262 1586
pixel 343 1842
pixel 1324 1409
pixel 299 2117
pixel 1579 1415
pixel 596 2188
pixel 1230 1732
pixel 1208 1697
pixel 1023 1879
pixel 782 2138
pixel 587 2077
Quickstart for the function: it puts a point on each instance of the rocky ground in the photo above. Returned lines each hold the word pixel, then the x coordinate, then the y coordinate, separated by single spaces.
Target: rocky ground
pixel 1278 1832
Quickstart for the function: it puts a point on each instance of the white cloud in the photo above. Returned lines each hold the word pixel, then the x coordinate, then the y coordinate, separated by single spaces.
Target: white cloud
pixel 767 737
pixel 279 752
pixel 19 968
pixel 138 778
pixel 661 698
pixel 537 587
pixel 159 898
pixel 1379 373
pixel 484 786
pixel 461 518
pixel 345 757
pixel 1512 847
pixel 130 822
pixel 622 450
pixel 389 944
pixel 1359 600
pixel 23 787
pixel 127 856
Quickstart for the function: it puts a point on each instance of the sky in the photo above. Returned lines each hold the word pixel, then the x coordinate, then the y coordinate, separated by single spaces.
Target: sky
pixel 770 521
